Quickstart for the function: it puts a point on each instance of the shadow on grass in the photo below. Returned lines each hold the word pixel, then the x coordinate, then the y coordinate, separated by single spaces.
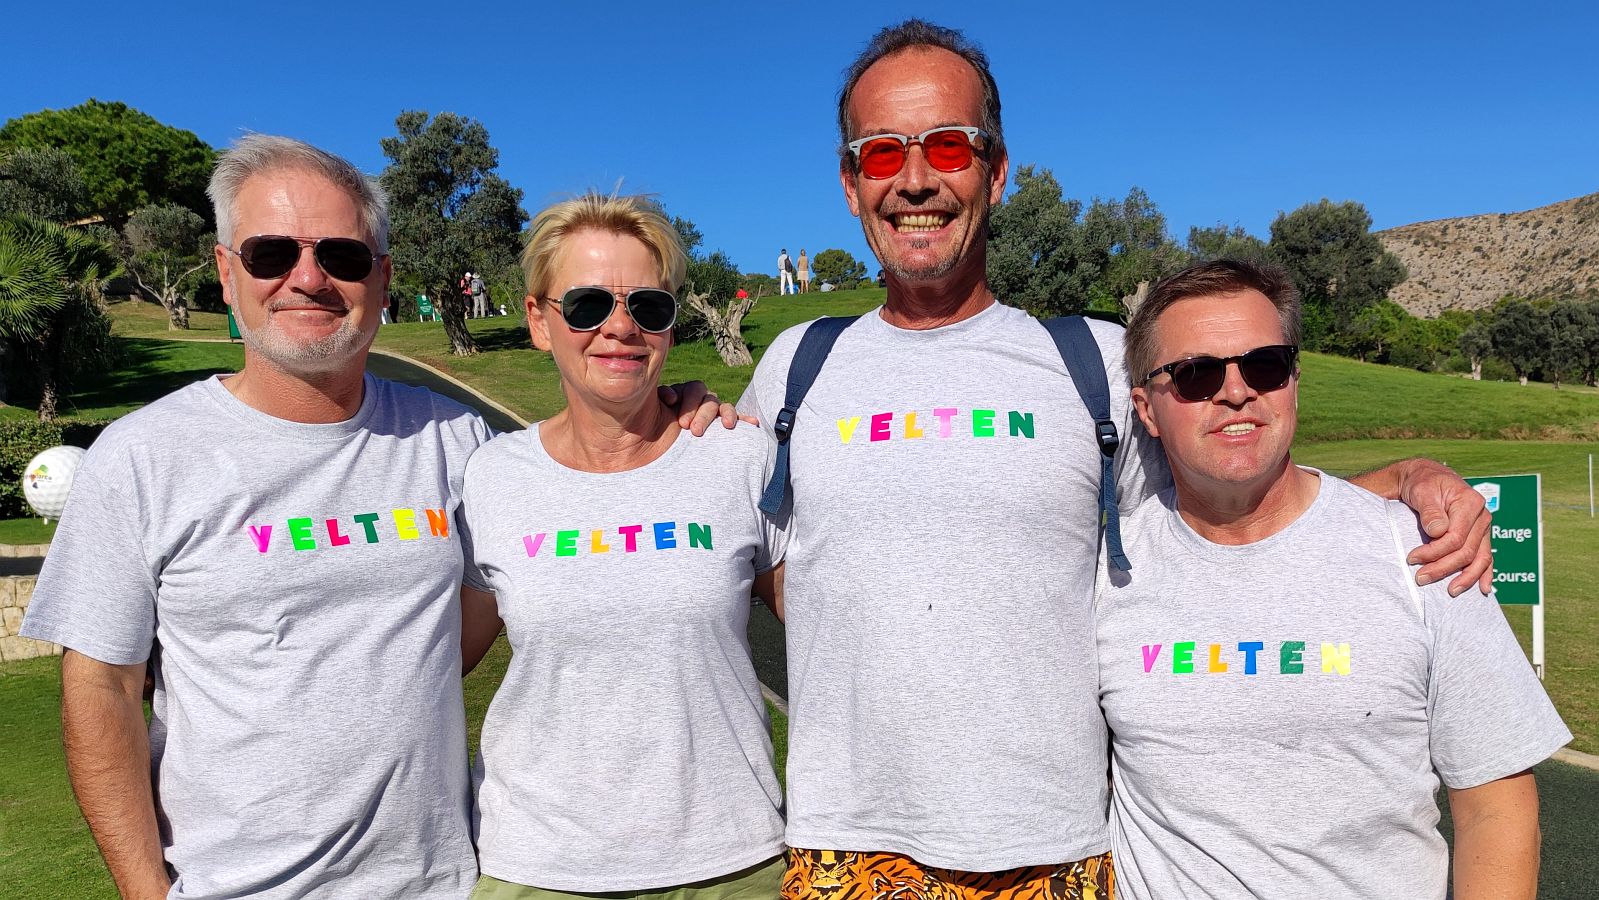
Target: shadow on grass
pixel 149 369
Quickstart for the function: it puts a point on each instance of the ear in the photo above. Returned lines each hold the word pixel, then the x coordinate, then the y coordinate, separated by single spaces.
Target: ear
pixel 538 327
pixel 386 266
pixel 846 177
pixel 998 174
pixel 1145 414
pixel 223 274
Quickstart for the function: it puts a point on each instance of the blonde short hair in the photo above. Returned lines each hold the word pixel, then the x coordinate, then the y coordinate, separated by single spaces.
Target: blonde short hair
pixel 633 216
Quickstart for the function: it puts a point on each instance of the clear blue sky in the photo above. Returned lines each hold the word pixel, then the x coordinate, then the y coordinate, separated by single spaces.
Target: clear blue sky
pixel 1222 112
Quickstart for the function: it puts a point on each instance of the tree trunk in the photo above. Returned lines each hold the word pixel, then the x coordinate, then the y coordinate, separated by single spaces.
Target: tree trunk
pixel 48 366
pixel 453 312
pixel 1523 378
pixel 726 326
pixel 177 311
pixel 1476 368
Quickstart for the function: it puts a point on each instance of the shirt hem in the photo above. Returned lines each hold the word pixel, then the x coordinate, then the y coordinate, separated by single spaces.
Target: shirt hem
pixel 87 647
pixel 1511 764
pixel 588 885
pixel 943 858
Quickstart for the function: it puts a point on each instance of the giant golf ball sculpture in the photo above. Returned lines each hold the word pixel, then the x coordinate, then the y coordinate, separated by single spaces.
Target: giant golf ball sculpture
pixel 48 478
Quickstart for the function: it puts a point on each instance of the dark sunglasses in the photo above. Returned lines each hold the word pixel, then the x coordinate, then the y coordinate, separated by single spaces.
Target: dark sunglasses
pixel 275 255
pixel 586 307
pixel 948 149
pixel 1198 378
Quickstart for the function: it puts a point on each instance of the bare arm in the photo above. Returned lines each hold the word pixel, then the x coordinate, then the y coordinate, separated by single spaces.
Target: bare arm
pixel 480 625
pixel 769 587
pixel 108 761
pixel 1496 839
pixel 1452 513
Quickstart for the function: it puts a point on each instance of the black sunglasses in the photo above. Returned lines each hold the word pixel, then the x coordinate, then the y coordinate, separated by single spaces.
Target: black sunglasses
pixel 586 307
pixel 1198 378
pixel 275 255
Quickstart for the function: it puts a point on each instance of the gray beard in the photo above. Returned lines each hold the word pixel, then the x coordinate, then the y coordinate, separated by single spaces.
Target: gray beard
pixel 295 357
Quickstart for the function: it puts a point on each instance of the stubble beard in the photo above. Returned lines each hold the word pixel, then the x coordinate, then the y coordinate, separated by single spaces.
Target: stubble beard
pixel 938 268
pixel 316 356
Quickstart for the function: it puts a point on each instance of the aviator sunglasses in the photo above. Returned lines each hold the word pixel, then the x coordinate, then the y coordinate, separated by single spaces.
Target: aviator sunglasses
pixel 275 255
pixel 586 307
pixel 1198 378
pixel 948 149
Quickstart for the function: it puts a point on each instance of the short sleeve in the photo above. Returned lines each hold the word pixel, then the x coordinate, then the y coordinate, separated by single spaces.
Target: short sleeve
pixel 97 592
pixel 1488 714
pixel 471 575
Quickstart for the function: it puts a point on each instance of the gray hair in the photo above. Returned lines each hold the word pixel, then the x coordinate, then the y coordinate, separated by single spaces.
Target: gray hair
pixel 913 34
pixel 255 154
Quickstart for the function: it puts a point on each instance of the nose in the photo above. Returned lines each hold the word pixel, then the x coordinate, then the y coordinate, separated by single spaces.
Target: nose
pixel 916 177
pixel 1235 391
pixel 307 276
pixel 620 323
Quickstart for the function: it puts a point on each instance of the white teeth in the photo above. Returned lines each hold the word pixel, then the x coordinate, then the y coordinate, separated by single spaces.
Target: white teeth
pixel 920 221
pixel 1239 428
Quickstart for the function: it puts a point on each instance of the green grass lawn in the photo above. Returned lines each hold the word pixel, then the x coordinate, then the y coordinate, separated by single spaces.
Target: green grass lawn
pixel 26 531
pixel 138 318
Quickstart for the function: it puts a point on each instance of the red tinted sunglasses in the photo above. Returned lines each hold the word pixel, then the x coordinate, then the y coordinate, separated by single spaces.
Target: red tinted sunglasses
pixel 948 148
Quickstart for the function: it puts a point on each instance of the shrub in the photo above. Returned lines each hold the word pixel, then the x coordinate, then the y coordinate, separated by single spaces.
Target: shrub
pixel 22 440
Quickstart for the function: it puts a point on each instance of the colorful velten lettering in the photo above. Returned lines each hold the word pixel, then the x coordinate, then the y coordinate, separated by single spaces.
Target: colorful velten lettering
pixel 300 534
pixel 1289 661
pixel 1335 657
pixel 1249 649
pixel 1182 657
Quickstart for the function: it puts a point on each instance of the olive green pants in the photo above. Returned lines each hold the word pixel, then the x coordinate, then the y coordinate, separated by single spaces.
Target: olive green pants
pixel 761 881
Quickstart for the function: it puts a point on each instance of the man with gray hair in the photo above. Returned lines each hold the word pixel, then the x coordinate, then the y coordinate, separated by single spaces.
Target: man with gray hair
pixel 281 544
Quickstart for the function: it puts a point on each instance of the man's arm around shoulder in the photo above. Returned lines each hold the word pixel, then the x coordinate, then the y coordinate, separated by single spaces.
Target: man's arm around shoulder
pixel 108 761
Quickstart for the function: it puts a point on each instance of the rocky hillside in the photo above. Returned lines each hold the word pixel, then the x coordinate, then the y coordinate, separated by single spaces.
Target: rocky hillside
pixel 1470 262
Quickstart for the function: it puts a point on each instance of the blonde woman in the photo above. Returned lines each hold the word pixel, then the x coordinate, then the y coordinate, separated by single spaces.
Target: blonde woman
pixel 627 750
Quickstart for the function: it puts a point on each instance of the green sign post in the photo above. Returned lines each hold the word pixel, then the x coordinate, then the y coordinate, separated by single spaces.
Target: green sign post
pixel 1516 502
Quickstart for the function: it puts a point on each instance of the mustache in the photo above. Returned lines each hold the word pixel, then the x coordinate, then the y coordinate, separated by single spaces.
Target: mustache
pixel 328 304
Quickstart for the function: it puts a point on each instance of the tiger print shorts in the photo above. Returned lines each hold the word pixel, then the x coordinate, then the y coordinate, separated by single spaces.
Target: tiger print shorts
pixel 848 875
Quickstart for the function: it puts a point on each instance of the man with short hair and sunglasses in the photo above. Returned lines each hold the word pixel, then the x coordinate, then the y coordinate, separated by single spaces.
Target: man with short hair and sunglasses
pixel 1283 699
pixel 944 730
pixel 281 544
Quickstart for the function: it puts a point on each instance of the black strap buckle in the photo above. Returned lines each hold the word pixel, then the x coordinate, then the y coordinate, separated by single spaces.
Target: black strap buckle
pixel 784 424
pixel 1108 440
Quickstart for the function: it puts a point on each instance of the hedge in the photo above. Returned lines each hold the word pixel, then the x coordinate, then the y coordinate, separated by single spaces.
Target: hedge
pixel 21 440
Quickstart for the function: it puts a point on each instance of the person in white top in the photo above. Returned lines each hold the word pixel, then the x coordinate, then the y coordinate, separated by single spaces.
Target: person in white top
pixel 627 749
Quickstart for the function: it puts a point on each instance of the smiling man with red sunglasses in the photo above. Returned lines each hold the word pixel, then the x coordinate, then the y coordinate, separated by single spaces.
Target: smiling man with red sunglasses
pixel 1283 700
pixel 944 734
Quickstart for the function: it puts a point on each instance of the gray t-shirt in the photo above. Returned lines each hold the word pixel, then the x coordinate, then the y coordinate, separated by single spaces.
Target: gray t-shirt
pixel 1282 712
pixel 939 589
pixel 298 586
pixel 628 747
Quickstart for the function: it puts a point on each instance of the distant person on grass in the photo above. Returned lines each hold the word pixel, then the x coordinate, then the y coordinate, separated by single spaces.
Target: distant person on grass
pixel 628 748
pixel 1283 699
pixel 803 272
pixel 945 733
pixel 785 273
pixel 282 546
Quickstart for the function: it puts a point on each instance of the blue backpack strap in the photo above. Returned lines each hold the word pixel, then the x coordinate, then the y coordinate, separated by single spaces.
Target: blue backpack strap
pixel 812 351
pixel 1086 365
